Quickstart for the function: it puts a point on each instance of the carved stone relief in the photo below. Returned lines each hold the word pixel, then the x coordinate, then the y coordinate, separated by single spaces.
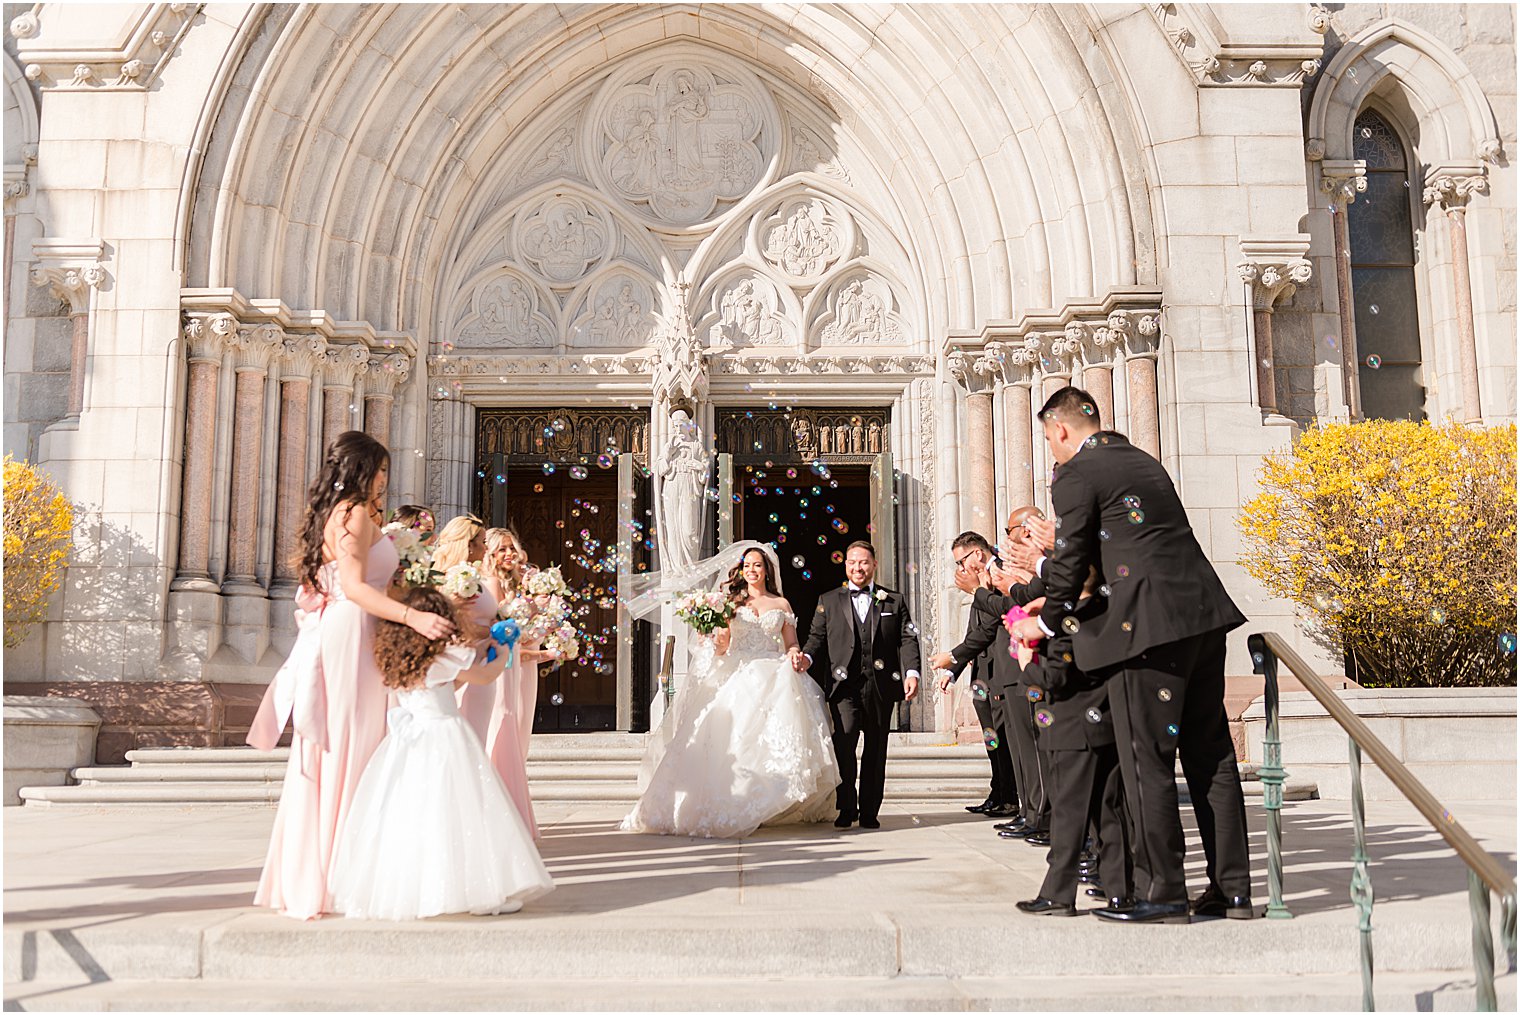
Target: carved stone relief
pixel 563 238
pixel 619 311
pixel 748 311
pixel 860 310
pixel 812 154
pixel 555 157
pixel 505 311
pixel 804 238
pixel 682 139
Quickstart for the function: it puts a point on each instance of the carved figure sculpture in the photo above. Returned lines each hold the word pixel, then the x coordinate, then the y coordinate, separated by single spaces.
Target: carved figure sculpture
pixel 683 481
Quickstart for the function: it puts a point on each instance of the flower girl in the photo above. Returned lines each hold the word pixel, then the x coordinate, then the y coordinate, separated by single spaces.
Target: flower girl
pixel 431 829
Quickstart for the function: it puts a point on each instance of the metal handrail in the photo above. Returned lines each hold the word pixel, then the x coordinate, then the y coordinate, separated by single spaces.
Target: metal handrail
pixel 1485 872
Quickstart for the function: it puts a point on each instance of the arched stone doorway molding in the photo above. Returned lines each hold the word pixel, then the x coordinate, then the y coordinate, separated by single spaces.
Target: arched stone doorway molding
pixel 1427 89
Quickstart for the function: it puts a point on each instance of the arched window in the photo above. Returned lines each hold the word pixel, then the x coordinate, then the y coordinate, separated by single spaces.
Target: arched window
pixel 1381 232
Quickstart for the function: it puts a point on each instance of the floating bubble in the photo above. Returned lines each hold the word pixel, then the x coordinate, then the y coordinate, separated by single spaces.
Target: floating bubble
pixel 1105 534
pixel 839 671
pixel 712 494
pixel 556 699
pixel 799 562
pixel 807 575
pixel 1061 543
pixel 558 425
pixel 823 541
pixel 604 461
pixel 878 664
pixel 1366 132
pixel 774 517
pixel 989 737
pixel 1171 729
pixel 548 468
pixel 1105 591
pixel 911 568
pixel 979 690
pixel 480 473
pixel 836 557
pixel 1374 361
pixel 1132 502
pixel 840 526
pixel 576 472
pixel 1034 693
pixel 1438 617
pixel 1043 716
pixel 1122 570
pixel 820 469
pixel 1126 626
pixel 501 480
pixel 1507 643
pixel 538 488
pixel 1136 517
pixel 1093 715
pixel 1070 625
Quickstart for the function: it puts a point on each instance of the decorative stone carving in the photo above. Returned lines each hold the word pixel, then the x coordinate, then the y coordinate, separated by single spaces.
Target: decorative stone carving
pixel 301 355
pixel 255 346
pixel 861 310
pixel 680 372
pixel 1272 71
pixel 684 138
pixel 812 154
pixel 71 282
pixel 1451 185
pixel 1343 179
pixel 748 312
pixel 563 238
pixel 804 238
pixel 133 60
pixel 619 312
pixel 556 157
pixel 504 312
pixel 341 363
pixel 681 472
pixel 1271 279
pixel 1319 19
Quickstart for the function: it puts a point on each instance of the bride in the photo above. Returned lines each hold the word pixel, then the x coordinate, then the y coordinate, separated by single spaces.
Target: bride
pixel 747 741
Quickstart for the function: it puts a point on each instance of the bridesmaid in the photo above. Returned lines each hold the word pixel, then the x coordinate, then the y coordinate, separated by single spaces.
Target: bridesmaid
pixel 463 541
pixel 511 722
pixel 345 566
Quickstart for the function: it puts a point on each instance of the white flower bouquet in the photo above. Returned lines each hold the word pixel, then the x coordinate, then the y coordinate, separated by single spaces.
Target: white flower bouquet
pixel 542 611
pixel 462 581
pixel 416 559
pixel 704 612
pixel 545 583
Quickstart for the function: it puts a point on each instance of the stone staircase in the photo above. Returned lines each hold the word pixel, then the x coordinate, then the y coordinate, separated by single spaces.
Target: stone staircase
pixel 585 767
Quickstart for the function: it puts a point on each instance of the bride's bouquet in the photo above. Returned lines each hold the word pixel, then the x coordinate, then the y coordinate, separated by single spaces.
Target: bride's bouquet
pixel 704 612
pixel 416 559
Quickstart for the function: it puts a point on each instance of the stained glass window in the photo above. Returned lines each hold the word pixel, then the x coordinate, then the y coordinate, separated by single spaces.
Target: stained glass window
pixel 1381 231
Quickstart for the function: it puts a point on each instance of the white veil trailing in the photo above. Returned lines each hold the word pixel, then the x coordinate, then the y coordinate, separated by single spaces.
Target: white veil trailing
pixel 648 592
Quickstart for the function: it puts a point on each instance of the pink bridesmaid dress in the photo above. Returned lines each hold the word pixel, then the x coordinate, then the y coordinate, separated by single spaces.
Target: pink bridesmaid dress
pixel 320 783
pixel 492 710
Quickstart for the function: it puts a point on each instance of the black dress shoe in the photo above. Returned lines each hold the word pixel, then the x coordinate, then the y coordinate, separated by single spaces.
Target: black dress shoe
pixel 1008 826
pixel 1016 833
pixel 1002 811
pixel 1213 902
pixel 1094 891
pixel 869 823
pixel 982 807
pixel 1045 907
pixel 1147 912
pixel 1120 905
pixel 844 821
pixel 1038 838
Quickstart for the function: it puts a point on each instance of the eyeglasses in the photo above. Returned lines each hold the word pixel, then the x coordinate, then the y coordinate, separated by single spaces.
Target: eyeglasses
pixel 960 562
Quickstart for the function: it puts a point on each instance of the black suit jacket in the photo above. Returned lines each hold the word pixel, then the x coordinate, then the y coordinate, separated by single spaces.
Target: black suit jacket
pixel 892 641
pixel 1072 710
pixel 985 634
pixel 1116 508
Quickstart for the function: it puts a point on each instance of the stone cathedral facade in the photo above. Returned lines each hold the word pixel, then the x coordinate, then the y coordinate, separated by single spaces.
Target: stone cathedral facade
pixel 878 234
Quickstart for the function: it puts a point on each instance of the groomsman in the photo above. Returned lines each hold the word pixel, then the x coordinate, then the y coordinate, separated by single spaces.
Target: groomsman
pixel 1160 642
pixel 972 553
pixel 862 648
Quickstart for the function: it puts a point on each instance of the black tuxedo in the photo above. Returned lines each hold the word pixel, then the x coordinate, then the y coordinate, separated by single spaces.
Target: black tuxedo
pixel 861 666
pixel 1158 635
pixel 1017 719
pixel 987 699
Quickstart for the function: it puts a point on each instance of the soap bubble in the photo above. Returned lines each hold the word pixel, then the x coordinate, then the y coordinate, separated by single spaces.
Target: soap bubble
pixel 1132 502
pixel 773 517
pixel 836 557
pixel 1070 625
pixel 1126 626
pixel 604 461
pixel 556 699
pixel 979 690
pixel 799 562
pixel 1105 534
pixel 576 472
pixel 548 468
pixel 1171 729
pixel 1122 571
pixel 1374 361
pixel 1164 694
pixel 1043 716
pixel 878 664
pixel 1093 715
pixel 1105 591
pixel 1034 693
pixel 1136 517
pixel 1373 308
pixel 558 425
pixel 1507 643
pixel 1438 617
pixel 989 737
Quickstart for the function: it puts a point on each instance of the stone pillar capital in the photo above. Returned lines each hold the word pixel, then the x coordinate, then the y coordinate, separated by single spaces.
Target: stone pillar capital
pixel 254 346
pixel 1451 184
pixel 384 374
pixel 1343 179
pixel 342 363
pixel 71 282
pixel 300 355
pixel 973 369
pixel 1273 267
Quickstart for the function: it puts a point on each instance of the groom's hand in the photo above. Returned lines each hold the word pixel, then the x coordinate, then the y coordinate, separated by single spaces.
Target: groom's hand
pixel 800 661
pixel 910 688
pixel 942 660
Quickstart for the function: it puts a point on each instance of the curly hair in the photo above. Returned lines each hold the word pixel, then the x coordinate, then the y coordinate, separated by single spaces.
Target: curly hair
pixel 495 538
pixel 738 588
pixel 346 478
pixel 404 655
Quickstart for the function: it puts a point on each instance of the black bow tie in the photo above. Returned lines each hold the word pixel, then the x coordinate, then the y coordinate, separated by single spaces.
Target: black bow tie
pixel 860 592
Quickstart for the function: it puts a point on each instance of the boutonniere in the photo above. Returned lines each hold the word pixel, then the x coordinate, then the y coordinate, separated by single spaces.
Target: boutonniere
pixel 881 595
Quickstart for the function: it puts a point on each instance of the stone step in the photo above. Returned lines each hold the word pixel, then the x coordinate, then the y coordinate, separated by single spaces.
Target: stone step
pixel 153 793
pixel 205 755
pixel 225 771
pixel 452 991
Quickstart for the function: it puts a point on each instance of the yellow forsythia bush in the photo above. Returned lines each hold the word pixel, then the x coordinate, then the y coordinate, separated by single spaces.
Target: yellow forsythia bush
pixel 38 523
pixel 1399 539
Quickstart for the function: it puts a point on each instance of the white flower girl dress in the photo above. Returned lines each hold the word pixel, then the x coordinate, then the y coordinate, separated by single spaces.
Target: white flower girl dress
pixel 432 829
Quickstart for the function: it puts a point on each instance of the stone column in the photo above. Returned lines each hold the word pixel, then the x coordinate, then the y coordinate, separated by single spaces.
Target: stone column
pixel 974 372
pixel 1342 180
pixel 1018 416
pixel 1140 376
pixel 1272 269
pixel 73 283
pixel 205 340
pixel 300 357
pixel 253 348
pixel 1098 368
pixel 383 377
pixel 1450 185
pixel 341 364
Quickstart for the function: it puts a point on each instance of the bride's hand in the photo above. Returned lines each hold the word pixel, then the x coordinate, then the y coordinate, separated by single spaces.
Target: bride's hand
pixel 721 638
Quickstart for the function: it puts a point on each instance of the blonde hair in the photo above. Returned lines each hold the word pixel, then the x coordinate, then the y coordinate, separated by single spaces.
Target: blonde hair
pixel 495 538
pixel 452 543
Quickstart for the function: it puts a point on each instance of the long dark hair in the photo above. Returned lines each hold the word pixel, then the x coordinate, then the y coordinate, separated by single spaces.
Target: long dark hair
pixel 347 475
pixel 738 588
pixel 402 654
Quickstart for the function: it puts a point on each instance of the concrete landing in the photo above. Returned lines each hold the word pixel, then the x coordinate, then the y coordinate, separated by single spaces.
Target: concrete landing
pixel 117 909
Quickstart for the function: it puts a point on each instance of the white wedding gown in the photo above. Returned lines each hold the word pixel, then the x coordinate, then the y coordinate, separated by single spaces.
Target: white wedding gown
pixel 746 743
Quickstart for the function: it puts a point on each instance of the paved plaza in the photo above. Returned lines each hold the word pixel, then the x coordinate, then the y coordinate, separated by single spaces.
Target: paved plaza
pixel 123 908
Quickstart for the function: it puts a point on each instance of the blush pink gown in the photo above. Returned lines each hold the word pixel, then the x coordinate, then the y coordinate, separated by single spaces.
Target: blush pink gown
pixel 317 793
pixel 494 712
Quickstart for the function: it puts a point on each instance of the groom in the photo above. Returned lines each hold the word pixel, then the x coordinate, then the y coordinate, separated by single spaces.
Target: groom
pixel 866 654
